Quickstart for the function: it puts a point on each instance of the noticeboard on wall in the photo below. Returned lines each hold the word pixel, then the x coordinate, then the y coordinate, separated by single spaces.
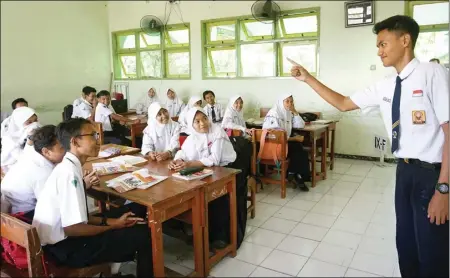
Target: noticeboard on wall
pixel 359 13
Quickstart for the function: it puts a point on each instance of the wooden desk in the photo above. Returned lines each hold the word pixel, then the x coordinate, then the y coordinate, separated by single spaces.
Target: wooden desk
pixel 143 118
pixel 332 130
pixel 129 112
pixel 125 150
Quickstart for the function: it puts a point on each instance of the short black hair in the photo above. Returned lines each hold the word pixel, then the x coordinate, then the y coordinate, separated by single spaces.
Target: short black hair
pixel 435 60
pixel 69 129
pixel 44 137
pixel 103 93
pixel 401 24
pixel 16 101
pixel 88 90
pixel 208 92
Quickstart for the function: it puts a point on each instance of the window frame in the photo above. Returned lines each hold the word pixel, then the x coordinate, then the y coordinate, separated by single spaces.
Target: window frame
pixel 164 47
pixel 276 38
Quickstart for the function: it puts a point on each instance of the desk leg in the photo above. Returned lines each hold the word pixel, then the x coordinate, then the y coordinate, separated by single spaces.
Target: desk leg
pixel 206 257
pixel 323 163
pixel 233 214
pixel 197 231
pixel 313 161
pixel 332 150
pixel 154 222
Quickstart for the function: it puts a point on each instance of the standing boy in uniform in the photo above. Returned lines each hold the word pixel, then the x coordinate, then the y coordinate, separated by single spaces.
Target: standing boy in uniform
pixel 212 109
pixel 84 107
pixel 69 235
pixel 415 109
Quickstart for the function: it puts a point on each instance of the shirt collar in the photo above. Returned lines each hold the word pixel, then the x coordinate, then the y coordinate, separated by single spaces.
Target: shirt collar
pixel 410 67
pixel 87 102
pixel 73 159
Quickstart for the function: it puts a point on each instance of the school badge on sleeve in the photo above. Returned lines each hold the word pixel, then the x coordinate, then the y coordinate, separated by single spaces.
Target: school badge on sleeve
pixel 75 182
pixel 418 117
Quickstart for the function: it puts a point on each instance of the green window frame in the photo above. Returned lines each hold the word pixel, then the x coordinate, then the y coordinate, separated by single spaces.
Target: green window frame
pixel 279 37
pixel 166 47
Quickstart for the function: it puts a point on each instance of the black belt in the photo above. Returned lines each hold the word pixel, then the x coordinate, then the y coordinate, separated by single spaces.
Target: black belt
pixel 435 166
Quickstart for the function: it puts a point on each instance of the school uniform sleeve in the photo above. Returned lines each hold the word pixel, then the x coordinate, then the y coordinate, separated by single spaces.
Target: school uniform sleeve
pixel 181 109
pixel 147 143
pixel 227 122
pixel 181 154
pixel 271 121
pixel 439 94
pixel 366 98
pixel 101 113
pixel 73 202
pixel 174 145
pixel 297 122
pixel 221 112
pixel 222 152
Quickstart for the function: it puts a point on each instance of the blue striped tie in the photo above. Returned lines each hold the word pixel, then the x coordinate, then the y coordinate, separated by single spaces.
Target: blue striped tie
pixel 396 114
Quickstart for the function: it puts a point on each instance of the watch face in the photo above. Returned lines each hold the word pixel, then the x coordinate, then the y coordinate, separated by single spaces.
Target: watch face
pixel 443 188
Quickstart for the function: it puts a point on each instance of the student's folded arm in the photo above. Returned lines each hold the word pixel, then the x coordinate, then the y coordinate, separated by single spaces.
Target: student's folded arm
pixel 174 145
pixel 297 122
pixel 82 229
pixel 227 122
pixel 270 121
pixel 147 144
pixel 180 155
pixel 119 118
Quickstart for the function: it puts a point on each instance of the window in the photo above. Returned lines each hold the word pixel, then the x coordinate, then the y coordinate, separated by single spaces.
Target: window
pixel 243 47
pixel 433 18
pixel 166 54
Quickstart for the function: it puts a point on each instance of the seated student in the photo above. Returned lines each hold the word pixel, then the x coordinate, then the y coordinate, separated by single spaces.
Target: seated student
pixel 284 116
pixel 69 235
pixel 144 103
pixel 22 191
pixel 23 121
pixel 112 133
pixel 161 138
pixel 194 101
pixel 212 109
pixel 84 107
pixel 234 116
pixel 20 102
pixel 173 104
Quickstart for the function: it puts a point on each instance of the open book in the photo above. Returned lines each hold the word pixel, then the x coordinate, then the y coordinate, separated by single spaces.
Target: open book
pixel 321 122
pixel 108 168
pixel 196 176
pixel 141 179
pixel 109 151
pixel 128 159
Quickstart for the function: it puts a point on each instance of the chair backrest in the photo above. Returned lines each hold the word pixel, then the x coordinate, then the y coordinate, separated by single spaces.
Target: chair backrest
pixel 277 137
pixel 99 129
pixel 263 112
pixel 120 106
pixel 137 130
pixel 24 235
pixel 67 112
pixel 236 132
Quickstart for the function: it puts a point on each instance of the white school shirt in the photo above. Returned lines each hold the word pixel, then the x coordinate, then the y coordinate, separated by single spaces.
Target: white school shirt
pixel 102 115
pixel 218 109
pixel 277 122
pixel 20 190
pixel 167 139
pixel 5 123
pixel 62 202
pixel 82 110
pixel 77 101
pixel 424 92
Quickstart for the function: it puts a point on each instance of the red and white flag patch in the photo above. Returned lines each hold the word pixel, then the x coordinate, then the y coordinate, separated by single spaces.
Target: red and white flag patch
pixel 417 93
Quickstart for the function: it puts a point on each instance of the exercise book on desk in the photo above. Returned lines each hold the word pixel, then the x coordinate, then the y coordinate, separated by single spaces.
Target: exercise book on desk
pixel 117 149
pixel 109 168
pixel 129 159
pixel 140 179
pixel 321 122
pixel 195 176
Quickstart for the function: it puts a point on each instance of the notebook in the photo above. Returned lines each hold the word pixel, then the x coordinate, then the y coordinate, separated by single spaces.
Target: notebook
pixel 196 176
pixel 141 179
pixel 108 168
pixel 128 159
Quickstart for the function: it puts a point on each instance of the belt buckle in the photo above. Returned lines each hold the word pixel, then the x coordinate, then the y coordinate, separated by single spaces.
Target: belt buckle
pixel 406 160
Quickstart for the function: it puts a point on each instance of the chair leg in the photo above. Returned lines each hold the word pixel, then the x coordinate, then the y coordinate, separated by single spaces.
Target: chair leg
pixel 253 201
pixel 283 180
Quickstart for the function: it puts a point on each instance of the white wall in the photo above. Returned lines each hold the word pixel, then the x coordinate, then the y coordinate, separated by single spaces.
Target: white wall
pixel 345 59
pixel 50 50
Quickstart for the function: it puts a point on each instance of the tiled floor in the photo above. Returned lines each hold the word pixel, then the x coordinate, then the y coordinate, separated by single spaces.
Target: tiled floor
pixel 344 227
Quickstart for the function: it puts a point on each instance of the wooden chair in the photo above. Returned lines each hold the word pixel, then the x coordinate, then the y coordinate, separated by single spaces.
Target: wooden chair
pixel 137 130
pixel 99 129
pixel 277 137
pixel 26 236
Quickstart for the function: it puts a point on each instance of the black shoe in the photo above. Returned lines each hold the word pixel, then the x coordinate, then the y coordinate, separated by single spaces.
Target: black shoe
pixel 122 275
pixel 301 183
pixel 218 244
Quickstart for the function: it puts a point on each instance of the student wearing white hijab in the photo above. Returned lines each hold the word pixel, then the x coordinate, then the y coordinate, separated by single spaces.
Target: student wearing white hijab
pixel 194 101
pixel 161 139
pixel 23 121
pixel 173 104
pixel 234 116
pixel 145 102
pixel 284 116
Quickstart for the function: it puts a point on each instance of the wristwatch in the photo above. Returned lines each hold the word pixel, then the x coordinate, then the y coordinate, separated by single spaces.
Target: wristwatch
pixel 442 188
pixel 104 221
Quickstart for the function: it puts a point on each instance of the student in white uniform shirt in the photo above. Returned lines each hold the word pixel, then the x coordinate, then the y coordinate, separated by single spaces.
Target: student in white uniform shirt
pixel 69 235
pixel 414 105
pixel 161 138
pixel 234 116
pixel 145 102
pixel 212 109
pixel 21 191
pixel 173 104
pixel 20 102
pixel 284 115
pixel 23 121
pixel 84 107
pixel 194 101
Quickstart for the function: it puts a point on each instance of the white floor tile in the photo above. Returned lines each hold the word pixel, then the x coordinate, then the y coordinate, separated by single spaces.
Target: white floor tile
pixel 327 209
pixel 396 271
pixel 253 253
pixel 334 200
pixel 290 214
pixel 376 264
pixel 279 225
pixel 350 225
pixel 378 246
pixel 328 181
pixel 249 230
pixel 347 185
pixel 297 245
pixel 340 168
pixel 334 176
pixel 333 254
pixel 275 200
pixel 185 271
pixel 284 262
pixel 378 230
pixel 386 209
pixel 366 196
pixel 343 239
pixel 341 192
pixel 319 220
pixel 230 267
pixel 383 219
pixel 300 204
pixel 265 238
pixel 315 268
pixel 309 196
pixel 309 232
pixel 352 178
pixel 264 272
pixel 322 189
pixel 357 273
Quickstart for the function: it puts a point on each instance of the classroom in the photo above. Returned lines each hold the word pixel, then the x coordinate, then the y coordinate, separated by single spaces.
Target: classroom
pixel 225 138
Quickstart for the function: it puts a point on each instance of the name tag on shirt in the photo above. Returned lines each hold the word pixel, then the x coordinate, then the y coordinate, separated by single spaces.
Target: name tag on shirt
pixel 418 117
pixel 417 93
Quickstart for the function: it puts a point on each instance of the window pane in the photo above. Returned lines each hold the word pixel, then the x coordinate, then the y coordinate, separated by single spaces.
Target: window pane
pixel 222 32
pixel 127 65
pixel 224 62
pixel 258 60
pixel 431 13
pixel 178 63
pixel 151 63
pixel 432 45
pixel 149 40
pixel 304 54
pixel 126 41
pixel 178 37
pixel 303 24
pixel 257 29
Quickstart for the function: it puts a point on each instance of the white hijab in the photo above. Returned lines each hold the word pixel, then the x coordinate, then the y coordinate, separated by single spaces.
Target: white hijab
pixel 281 114
pixel 145 102
pixel 161 134
pixel 231 114
pixel 173 105
pixel 192 101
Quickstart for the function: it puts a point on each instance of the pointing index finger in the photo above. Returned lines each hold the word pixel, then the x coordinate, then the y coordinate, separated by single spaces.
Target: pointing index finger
pixel 292 61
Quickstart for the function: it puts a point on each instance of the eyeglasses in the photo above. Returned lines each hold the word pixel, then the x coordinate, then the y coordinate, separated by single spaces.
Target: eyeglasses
pixel 96 135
